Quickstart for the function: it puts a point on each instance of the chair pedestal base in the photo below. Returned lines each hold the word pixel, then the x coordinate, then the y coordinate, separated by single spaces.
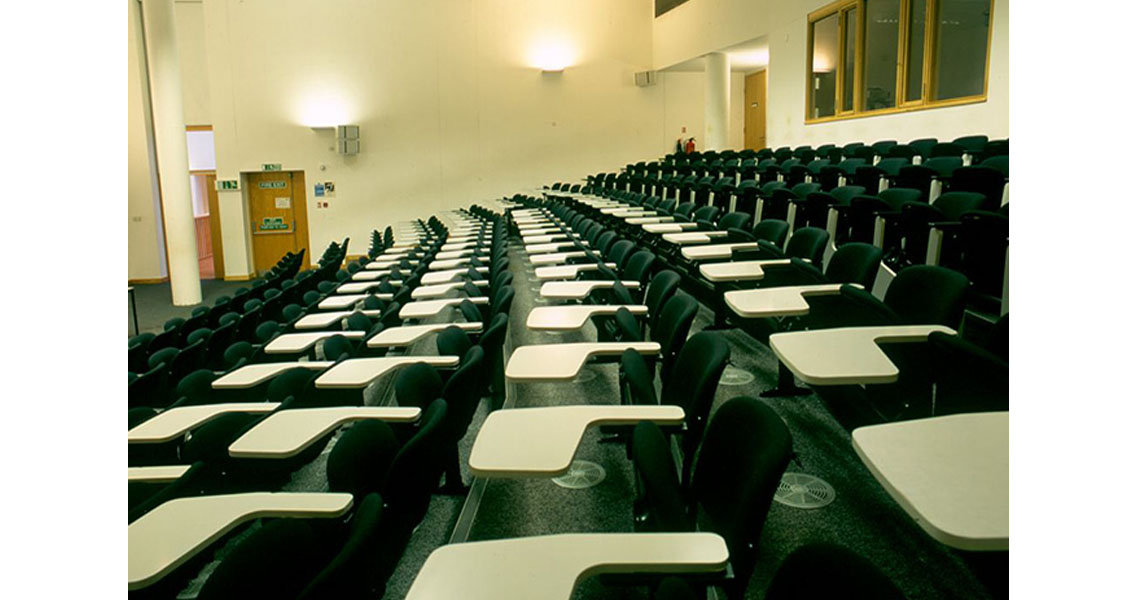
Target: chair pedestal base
pixel 785 386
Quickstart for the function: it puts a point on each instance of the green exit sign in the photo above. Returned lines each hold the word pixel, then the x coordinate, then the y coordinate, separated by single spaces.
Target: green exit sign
pixel 223 185
pixel 271 167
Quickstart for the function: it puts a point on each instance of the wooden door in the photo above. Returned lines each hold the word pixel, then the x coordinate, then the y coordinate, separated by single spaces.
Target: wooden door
pixel 272 212
pixel 215 226
pixel 755 111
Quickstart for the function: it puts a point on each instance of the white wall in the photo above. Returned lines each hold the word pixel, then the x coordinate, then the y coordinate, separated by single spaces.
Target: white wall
pixel 146 259
pixel 787 90
pixel 189 20
pixel 698 27
pixel 451 109
pixel 701 26
pixel 684 106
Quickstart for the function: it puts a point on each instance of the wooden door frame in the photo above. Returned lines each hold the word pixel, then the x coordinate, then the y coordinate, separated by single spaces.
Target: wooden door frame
pixel 301 216
pixel 764 73
pixel 215 223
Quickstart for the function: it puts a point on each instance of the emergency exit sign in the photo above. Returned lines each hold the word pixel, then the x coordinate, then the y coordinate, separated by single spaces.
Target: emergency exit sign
pixel 223 185
pixel 271 167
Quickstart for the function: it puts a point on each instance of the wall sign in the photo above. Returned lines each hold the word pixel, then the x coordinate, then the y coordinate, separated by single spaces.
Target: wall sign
pixel 225 185
pixel 271 185
pixel 271 167
pixel 272 224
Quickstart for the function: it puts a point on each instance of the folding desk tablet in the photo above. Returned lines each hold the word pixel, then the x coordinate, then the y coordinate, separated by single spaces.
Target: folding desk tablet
pixel 744 270
pixel 562 362
pixel 326 319
pixel 692 238
pixel 715 251
pixel 422 309
pixel 172 423
pixel 294 343
pixel 407 335
pixel 359 372
pixel 252 375
pixel 448 275
pixel 578 290
pixel 846 355
pixel 555 258
pixel 439 289
pixel 166 537
pixel 950 474
pixel 541 442
pixel 648 220
pixel 163 474
pixel 568 271
pixel 344 301
pixel 661 228
pixel 549 567
pixel 778 301
pixel 286 433
pixel 574 316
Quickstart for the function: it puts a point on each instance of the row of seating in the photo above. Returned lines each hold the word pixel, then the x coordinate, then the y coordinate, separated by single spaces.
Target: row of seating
pixel 738 459
pixel 390 470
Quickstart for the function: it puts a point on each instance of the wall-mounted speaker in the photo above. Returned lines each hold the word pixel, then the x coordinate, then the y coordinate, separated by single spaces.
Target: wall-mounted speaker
pixel 645 78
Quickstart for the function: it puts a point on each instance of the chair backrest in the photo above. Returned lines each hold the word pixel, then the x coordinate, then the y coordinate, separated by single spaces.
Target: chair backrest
pixel 277 559
pixel 639 266
pixel 662 287
pixel 745 451
pixel 418 384
pixel 694 380
pixel 416 469
pixel 772 230
pixel 620 252
pixel 736 220
pixel 353 572
pixel 953 204
pixel 834 572
pixel 928 295
pixel 855 262
pixel 452 341
pixel 809 244
pixel 672 328
pixel 969 377
pixel 291 383
pixel 360 458
pixel 338 347
pixel 462 393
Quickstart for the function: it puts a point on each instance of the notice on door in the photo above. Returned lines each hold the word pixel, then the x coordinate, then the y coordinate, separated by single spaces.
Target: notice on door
pixel 284 203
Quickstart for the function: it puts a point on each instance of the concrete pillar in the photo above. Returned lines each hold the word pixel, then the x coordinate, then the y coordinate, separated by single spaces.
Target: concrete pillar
pixel 718 82
pixel 170 148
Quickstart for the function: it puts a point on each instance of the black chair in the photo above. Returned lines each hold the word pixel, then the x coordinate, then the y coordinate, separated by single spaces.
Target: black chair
pixel 745 451
pixel 670 331
pixel 692 386
pixel 967 377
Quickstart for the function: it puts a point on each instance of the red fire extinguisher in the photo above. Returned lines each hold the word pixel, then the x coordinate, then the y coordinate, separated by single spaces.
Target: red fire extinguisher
pixel 690 146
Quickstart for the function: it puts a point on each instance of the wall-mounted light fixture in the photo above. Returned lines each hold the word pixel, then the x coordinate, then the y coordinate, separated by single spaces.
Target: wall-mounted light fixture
pixel 552 56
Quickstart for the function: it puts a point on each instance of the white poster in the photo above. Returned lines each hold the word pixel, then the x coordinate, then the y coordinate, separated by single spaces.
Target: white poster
pixel 284 203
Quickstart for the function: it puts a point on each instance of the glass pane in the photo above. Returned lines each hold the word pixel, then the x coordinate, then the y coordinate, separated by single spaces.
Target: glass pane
pixel 881 54
pixel 850 28
pixel 960 58
pixel 915 50
pixel 824 64
pixel 200 150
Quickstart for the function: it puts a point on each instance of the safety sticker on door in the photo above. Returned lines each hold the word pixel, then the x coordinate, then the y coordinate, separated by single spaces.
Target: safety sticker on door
pixel 272 224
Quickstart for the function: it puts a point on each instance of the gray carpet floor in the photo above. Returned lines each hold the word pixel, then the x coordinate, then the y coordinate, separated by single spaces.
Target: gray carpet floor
pixel 863 517
pixel 155 307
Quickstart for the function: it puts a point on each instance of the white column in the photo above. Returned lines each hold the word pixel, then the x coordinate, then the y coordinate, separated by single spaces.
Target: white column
pixel 170 148
pixel 717 85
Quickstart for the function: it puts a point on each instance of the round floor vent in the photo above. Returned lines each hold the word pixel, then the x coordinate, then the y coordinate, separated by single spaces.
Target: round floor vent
pixel 800 490
pixel 734 376
pixel 582 474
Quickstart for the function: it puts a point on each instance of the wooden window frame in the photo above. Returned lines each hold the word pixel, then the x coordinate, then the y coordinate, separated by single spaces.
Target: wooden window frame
pixel 929 67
